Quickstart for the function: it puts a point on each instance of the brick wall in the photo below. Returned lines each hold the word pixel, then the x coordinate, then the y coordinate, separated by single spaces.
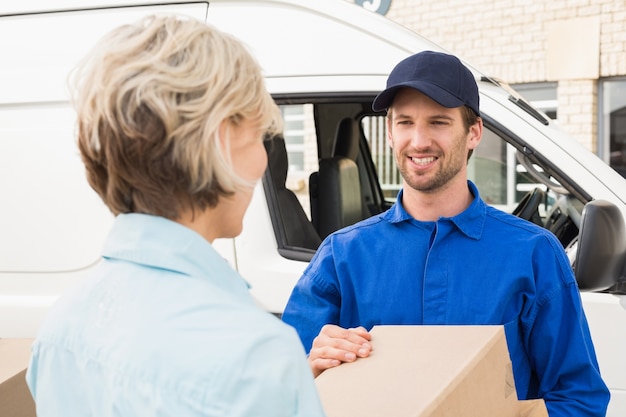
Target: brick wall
pixel 510 39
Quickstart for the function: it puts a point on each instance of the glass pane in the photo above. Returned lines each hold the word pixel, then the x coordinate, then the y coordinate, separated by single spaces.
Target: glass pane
pixel 296 161
pixel 375 131
pixel 501 180
pixel 301 142
pixel 293 138
pixel 488 169
pixel 294 124
pixel 294 134
pixel 614 120
pixel 292 110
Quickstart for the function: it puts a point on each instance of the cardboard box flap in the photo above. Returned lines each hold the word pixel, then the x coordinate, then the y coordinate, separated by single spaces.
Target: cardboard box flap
pixel 533 408
pixel 14 356
pixel 425 371
pixel 15 398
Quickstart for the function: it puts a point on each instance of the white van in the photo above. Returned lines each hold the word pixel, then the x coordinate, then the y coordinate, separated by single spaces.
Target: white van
pixel 324 61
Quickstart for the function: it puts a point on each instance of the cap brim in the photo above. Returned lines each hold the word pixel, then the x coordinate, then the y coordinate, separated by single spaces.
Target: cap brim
pixel 438 94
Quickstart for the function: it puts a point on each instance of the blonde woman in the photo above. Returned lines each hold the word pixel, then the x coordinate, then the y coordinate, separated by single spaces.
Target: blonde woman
pixel 171 119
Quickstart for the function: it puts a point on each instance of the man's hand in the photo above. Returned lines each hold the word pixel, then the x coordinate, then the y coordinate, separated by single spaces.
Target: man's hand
pixel 335 345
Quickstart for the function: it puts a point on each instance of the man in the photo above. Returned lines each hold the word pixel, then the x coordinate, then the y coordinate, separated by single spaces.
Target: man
pixel 441 256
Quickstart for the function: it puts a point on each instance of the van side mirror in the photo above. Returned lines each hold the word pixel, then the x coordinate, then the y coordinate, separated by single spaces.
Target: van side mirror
pixel 601 254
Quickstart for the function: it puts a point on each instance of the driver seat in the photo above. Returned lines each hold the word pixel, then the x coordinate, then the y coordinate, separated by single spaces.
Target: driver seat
pixel 293 228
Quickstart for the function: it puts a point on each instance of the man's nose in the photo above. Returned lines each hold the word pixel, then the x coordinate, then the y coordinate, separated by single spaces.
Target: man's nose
pixel 421 137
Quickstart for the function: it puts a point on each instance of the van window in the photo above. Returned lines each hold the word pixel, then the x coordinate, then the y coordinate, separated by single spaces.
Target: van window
pixel 301 144
pixel 375 130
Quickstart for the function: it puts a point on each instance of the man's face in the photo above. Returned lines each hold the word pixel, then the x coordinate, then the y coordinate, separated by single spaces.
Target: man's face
pixel 430 142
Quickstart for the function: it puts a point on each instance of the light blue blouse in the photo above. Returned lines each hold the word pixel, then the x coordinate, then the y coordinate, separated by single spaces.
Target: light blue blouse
pixel 165 327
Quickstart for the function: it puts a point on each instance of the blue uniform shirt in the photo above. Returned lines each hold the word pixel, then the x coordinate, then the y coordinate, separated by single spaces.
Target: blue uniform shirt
pixel 165 327
pixel 481 267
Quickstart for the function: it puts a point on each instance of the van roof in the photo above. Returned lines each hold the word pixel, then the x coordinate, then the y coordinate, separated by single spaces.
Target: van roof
pixel 297 43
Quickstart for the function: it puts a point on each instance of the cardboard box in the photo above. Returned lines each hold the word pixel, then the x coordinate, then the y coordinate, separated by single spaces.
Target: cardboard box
pixel 15 398
pixel 533 408
pixel 428 371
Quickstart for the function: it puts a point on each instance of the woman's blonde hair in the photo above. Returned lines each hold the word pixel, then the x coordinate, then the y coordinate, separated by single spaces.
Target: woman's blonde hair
pixel 150 99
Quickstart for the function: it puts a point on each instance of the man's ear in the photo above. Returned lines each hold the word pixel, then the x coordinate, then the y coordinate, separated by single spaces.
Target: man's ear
pixel 475 134
pixel 389 135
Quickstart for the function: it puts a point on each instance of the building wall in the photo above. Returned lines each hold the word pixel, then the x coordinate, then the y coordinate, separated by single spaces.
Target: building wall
pixel 571 42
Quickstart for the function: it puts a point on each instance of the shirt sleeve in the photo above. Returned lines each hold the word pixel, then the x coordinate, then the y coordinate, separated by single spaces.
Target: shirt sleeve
pixel 561 348
pixel 315 300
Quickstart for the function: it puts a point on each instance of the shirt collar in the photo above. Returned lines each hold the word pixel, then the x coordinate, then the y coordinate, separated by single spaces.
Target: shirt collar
pixel 161 243
pixel 471 221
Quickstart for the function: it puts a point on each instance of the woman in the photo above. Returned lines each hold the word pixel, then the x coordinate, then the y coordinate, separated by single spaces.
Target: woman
pixel 171 118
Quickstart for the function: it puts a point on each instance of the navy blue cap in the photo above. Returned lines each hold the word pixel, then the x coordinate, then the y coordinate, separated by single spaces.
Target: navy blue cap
pixel 440 76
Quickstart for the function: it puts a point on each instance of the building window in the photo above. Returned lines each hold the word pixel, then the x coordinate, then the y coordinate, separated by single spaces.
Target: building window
pixel 612 129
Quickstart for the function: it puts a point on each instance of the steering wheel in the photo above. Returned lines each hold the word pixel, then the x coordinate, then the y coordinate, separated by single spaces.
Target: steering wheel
pixel 528 208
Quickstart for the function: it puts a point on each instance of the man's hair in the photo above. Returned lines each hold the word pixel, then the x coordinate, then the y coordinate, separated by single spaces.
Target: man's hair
pixel 150 99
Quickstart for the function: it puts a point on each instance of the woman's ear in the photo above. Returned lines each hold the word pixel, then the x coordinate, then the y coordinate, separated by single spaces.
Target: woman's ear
pixel 223 132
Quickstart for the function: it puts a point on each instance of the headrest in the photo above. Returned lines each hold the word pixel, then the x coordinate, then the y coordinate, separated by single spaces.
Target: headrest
pixel 277 160
pixel 347 139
